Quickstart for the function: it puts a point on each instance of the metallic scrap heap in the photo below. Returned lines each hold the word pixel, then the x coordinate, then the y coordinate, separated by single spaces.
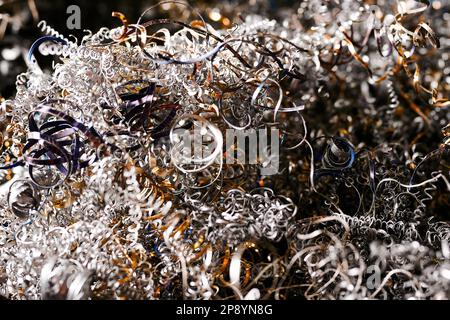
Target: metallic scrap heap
pixel 97 200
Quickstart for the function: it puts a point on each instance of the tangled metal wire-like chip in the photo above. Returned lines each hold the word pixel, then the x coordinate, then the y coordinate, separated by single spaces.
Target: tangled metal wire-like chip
pixel 99 199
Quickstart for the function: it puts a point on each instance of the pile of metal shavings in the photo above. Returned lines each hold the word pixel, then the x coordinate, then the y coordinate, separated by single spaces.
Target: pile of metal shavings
pixel 347 199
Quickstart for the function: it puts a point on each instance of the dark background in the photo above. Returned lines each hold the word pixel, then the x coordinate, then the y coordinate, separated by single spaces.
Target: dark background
pixel 23 16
